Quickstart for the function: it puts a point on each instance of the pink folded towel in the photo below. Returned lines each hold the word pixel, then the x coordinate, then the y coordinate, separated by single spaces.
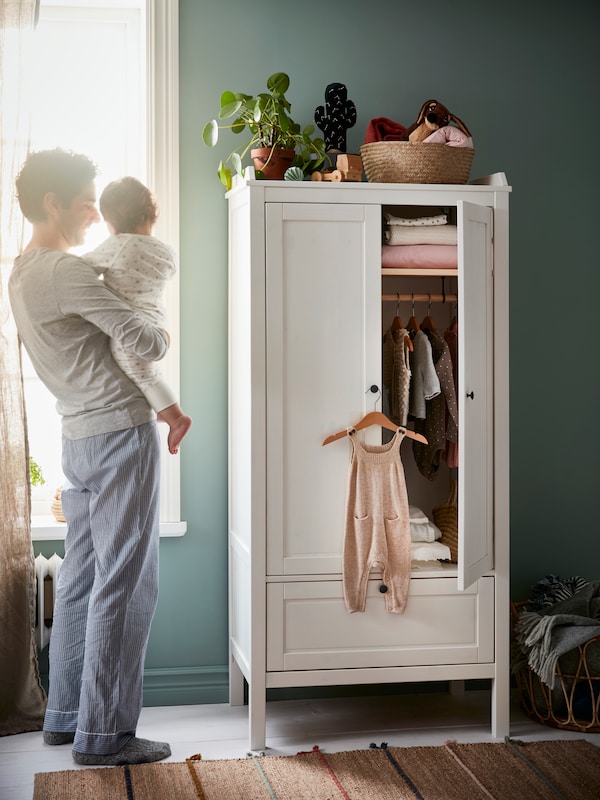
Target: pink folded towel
pixel 450 135
pixel 419 256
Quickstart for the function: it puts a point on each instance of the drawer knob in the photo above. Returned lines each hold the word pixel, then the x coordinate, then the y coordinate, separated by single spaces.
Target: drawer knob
pixel 383 588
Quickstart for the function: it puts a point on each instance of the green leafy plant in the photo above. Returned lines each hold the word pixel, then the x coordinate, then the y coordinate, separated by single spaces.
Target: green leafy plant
pixel 266 119
pixel 35 473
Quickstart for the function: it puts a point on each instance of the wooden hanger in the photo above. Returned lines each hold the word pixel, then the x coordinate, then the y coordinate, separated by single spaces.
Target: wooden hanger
pixel 374 418
pixel 397 325
pixel 428 324
pixel 397 321
pixel 412 324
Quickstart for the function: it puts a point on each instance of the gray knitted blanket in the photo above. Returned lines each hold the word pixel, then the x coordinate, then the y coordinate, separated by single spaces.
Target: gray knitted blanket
pixel 543 637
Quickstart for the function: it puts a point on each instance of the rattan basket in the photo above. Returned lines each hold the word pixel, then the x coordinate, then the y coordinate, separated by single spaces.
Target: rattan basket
pixel 446 518
pixel 574 702
pixel 418 162
pixel 56 506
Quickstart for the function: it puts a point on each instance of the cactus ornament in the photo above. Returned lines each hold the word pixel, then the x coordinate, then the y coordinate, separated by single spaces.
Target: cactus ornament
pixel 335 117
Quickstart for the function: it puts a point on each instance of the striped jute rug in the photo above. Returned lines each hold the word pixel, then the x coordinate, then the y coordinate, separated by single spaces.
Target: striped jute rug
pixel 510 770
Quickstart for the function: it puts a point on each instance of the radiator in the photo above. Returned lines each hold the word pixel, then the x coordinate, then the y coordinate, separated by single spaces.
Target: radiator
pixel 46 577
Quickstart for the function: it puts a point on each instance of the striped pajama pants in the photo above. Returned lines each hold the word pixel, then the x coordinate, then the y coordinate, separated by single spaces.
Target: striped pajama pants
pixel 107 589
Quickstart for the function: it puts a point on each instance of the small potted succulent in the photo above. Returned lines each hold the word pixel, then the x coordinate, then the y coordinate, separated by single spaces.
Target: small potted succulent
pixel 271 133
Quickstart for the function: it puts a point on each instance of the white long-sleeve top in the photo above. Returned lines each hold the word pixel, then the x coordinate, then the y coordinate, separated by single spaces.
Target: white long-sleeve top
pixel 66 318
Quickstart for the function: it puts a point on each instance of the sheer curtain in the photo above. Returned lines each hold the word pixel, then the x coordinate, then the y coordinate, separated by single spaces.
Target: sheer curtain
pixel 22 699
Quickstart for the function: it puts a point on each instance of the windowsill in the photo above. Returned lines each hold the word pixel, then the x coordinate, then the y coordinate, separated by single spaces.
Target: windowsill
pixel 46 528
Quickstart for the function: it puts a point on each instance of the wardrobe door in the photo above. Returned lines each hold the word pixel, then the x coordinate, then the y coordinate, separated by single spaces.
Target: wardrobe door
pixel 475 393
pixel 323 345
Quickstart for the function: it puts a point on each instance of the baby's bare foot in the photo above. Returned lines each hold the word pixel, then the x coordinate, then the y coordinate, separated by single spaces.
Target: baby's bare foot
pixel 177 431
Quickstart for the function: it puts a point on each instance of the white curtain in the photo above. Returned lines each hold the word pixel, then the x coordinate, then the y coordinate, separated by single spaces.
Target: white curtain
pixel 22 699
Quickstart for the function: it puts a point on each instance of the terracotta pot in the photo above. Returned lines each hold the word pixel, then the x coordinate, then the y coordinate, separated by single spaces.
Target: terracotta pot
pixel 272 162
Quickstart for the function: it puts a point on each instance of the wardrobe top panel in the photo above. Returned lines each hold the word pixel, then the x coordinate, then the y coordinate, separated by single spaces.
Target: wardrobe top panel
pixel 485 191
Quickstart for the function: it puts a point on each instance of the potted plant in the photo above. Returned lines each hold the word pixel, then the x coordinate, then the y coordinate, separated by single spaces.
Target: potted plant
pixel 36 478
pixel 266 118
pixel 36 475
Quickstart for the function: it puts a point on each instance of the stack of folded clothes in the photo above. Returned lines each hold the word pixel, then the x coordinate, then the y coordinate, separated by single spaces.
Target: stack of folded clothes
pixel 425 536
pixel 426 242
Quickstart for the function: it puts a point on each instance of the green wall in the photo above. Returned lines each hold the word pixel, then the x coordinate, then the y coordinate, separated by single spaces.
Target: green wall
pixel 523 76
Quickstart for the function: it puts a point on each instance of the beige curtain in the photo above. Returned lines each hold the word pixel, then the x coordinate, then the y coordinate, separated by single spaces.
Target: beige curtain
pixel 22 699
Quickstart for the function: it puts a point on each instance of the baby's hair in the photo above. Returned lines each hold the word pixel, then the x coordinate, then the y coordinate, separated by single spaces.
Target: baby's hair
pixel 126 203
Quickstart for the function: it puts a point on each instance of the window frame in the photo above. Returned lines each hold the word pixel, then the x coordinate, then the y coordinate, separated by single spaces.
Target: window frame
pixel 162 149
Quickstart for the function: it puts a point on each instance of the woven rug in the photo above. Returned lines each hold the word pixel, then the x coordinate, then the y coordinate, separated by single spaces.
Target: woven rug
pixel 510 770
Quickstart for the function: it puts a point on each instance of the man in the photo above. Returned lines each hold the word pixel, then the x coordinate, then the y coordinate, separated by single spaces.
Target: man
pixel 108 586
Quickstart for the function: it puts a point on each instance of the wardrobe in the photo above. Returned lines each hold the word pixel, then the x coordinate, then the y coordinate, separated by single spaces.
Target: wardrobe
pixel 309 304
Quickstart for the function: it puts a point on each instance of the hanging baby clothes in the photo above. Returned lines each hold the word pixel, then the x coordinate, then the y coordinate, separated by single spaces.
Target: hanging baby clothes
pixel 396 374
pixel 425 384
pixel 434 427
pixel 377 524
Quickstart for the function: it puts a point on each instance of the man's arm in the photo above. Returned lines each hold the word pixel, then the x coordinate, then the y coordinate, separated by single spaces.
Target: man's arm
pixel 82 293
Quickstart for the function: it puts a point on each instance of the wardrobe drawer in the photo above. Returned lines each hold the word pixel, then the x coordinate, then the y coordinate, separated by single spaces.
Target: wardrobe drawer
pixel 308 626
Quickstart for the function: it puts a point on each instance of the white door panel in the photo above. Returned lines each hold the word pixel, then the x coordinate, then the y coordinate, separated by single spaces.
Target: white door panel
pixel 323 287
pixel 475 393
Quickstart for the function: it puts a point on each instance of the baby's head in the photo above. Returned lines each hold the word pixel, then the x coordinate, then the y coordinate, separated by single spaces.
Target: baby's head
pixel 128 206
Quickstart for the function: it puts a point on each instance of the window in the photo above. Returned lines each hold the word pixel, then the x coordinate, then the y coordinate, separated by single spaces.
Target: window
pixel 117 60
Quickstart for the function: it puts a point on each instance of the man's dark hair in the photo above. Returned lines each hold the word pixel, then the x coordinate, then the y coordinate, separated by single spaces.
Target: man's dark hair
pixel 59 171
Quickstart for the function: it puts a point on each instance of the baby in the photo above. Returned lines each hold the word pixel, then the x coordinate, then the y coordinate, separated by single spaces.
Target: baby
pixel 136 265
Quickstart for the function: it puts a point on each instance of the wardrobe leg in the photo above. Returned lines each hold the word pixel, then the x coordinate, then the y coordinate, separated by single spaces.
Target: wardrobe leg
pixel 236 684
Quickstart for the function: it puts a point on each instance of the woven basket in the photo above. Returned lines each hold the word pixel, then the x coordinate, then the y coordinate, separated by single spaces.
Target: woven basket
pixel 418 162
pixel 574 702
pixel 446 518
pixel 56 506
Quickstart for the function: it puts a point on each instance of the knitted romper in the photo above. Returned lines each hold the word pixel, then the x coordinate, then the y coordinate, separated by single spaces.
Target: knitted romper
pixel 377 524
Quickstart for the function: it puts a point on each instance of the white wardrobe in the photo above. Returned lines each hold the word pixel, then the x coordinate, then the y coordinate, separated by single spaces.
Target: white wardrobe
pixel 308 305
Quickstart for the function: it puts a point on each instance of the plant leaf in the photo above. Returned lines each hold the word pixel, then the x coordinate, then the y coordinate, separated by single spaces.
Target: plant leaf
pixel 210 133
pixel 224 175
pixel 236 162
pixel 279 82
pixel 227 97
pixel 230 109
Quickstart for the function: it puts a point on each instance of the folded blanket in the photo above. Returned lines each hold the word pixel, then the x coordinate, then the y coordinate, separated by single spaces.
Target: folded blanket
pixel 424 532
pixel 545 636
pixel 451 136
pixel 552 589
pixel 419 256
pixel 437 219
pixel 429 551
pixel 426 234
pixel 382 129
pixel 416 514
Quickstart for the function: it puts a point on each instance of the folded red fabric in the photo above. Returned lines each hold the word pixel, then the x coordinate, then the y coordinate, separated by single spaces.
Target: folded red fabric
pixel 382 129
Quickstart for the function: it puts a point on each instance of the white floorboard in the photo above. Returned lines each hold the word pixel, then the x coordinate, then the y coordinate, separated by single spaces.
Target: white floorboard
pixel 335 724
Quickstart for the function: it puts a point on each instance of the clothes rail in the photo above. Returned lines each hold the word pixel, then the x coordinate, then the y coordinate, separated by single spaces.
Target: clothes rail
pixel 419 298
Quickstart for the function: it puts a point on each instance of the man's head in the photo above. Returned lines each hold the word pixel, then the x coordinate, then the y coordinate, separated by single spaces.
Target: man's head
pixel 57 171
pixel 56 189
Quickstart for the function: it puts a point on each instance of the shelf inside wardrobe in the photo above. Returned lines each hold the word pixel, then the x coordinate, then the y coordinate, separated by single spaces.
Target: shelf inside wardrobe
pixel 419 273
